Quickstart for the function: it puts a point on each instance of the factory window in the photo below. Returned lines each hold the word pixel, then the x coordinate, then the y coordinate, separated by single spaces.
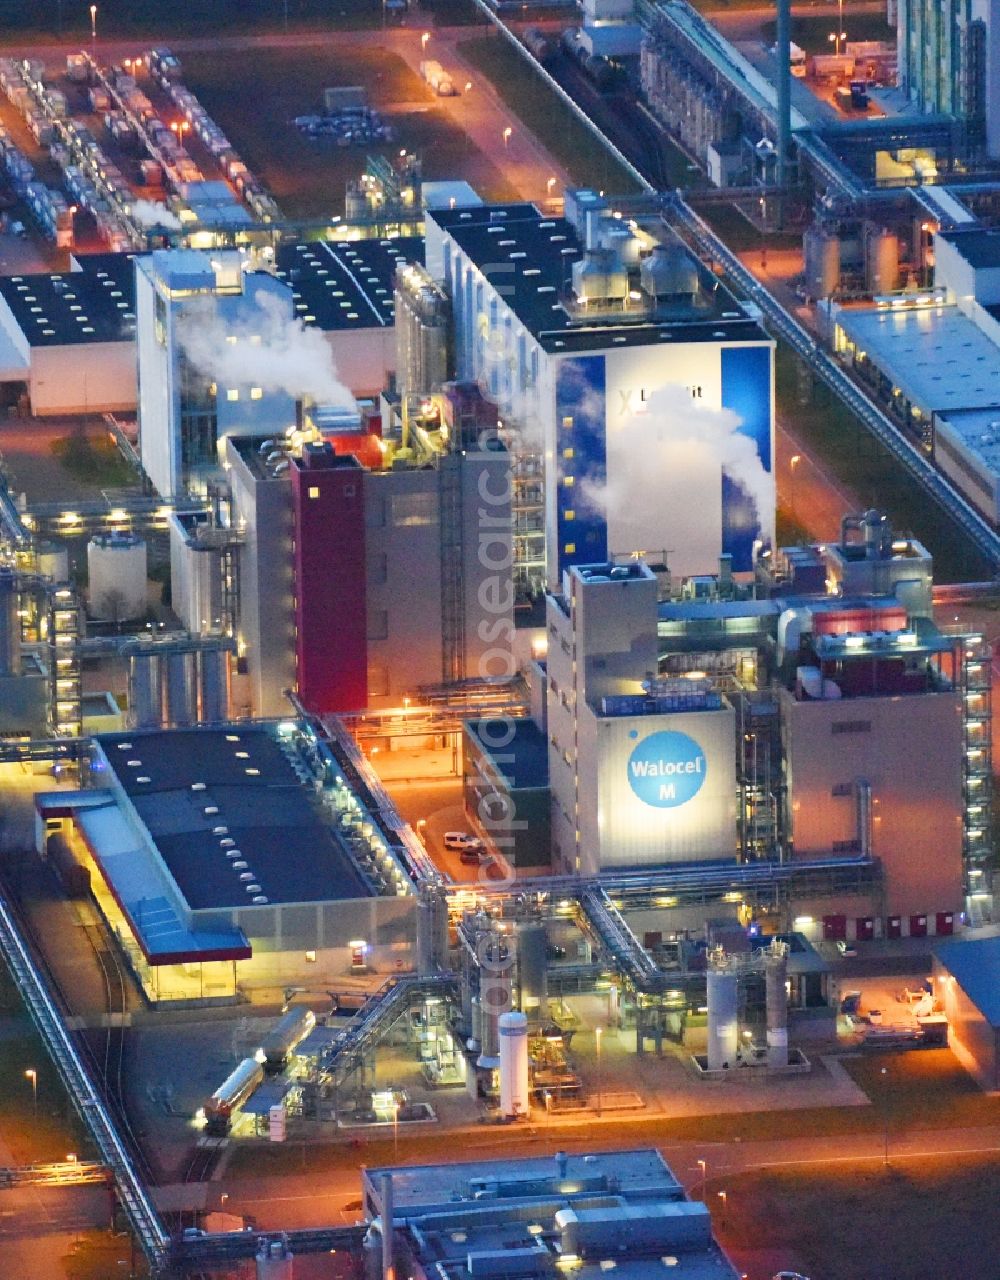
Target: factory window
pixel 411 510
pixel 569 481
pixel 568 422
pixel 378 624
pixel 569 515
pixel 160 320
pixel 256 393
pixel 314 491
pixel 375 513
pixel 851 726
pixel 842 789
pixel 232 394
pixel 846 846
pixel 378 570
pixel 378 681
pixel 568 453
pixel 310 957
pixel 569 548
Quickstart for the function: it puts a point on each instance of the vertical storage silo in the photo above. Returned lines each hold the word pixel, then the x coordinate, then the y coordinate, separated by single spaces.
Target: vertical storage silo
pixel 213 681
pixel 532 970
pixel 180 690
pixel 144 690
pixel 116 566
pixel 514 1083
pixel 723 1022
pixel 52 560
pixel 776 1001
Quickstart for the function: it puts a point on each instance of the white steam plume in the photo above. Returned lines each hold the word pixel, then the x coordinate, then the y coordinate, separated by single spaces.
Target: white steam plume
pixel 268 348
pixel 149 213
pixel 664 487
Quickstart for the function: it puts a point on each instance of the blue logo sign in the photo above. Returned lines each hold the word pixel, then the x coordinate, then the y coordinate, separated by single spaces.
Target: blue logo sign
pixel 667 769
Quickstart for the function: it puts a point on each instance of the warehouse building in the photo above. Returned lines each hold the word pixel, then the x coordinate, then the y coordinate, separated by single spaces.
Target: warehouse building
pixel 932 357
pixel 67 340
pixel 587 1212
pixel 234 858
pixel 967 984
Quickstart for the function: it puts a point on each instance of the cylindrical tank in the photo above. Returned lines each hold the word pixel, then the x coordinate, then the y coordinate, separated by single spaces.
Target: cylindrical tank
pixel 514 1099
pixel 213 681
pixel 881 261
pixel 821 246
pixel 776 1000
pixel 283 1037
pixel 532 970
pixel 52 559
pixel 274 1260
pixel 10 626
pixel 116 565
pixel 723 1024
pixel 180 703
pixel 144 691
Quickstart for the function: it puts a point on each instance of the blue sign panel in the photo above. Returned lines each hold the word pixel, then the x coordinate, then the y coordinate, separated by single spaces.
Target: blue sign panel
pixel 581 462
pixel 667 769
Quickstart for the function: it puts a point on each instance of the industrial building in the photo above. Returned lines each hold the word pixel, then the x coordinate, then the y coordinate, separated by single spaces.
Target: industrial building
pixel 949 62
pixel 373 536
pixel 621 1210
pixel 932 357
pixel 67 339
pixel 965 983
pixel 236 857
pixel 636 392
pixel 703 724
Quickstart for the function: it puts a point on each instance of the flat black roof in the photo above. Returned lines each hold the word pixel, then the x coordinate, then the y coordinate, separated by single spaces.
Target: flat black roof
pixel 346 285
pixel 173 776
pixel 529 257
pixel 334 287
pixel 526 743
pixel 94 304
pixel 980 247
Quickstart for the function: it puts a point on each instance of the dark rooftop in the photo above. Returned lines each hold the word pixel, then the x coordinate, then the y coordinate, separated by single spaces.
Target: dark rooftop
pixel 335 287
pixel 530 751
pixel 204 794
pixel 346 285
pixel 94 304
pixel 531 256
pixel 979 247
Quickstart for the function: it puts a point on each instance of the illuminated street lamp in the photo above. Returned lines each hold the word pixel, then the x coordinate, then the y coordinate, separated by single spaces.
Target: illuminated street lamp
pixel 32 1075
pixel 703 1166
pixel 598 1032
pixel 793 462
pixel 549 185
pixel 93 24
pixel 506 135
pixel 468 86
pixel 423 41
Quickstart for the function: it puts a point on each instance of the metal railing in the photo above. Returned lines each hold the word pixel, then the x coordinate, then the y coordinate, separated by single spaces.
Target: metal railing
pixel 132 1193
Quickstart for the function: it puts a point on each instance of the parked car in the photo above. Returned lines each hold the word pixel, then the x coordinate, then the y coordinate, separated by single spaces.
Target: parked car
pixel 459 840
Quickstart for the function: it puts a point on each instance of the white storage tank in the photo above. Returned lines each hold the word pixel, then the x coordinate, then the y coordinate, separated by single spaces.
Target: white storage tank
pixel 881 261
pixel 514 1086
pixel 116 565
pixel 723 1022
pixel 822 261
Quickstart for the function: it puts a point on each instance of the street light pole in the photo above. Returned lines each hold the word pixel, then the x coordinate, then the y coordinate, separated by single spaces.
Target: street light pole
pixel 885 1118
pixel 93 30
pixel 703 1166
pixel 598 1032
pixel 793 462
pixel 32 1075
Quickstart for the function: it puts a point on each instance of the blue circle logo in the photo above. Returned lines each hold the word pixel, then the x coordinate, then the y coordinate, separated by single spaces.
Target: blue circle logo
pixel 667 769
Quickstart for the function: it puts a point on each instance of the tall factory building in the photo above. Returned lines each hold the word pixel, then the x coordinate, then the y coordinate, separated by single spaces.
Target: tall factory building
pixel 374 573
pixel 423 324
pixel 637 394
pixel 820 719
pixel 642 768
pixel 949 62
pixel 190 307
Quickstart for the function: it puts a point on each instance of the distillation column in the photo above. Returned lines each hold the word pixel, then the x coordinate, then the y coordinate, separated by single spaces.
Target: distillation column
pixel 723 1021
pixel 776 999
